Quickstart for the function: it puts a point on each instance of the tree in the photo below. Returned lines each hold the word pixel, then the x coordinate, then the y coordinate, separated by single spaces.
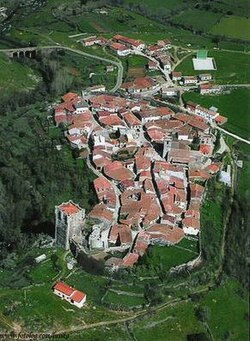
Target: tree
pixel 203 313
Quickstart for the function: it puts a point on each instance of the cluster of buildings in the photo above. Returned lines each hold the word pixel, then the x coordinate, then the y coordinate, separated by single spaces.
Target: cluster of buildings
pixel 152 165
pixel 123 46
pixel 159 58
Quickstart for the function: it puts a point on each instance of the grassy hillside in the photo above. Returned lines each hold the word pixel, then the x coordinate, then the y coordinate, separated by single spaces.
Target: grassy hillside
pixel 233 27
pixel 15 76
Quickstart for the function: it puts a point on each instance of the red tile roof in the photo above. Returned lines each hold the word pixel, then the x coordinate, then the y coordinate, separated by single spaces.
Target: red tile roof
pixel 69 208
pixel 221 119
pixel 64 288
pixel 123 232
pixel 78 296
pixel 118 47
pixel 115 170
pixel 166 233
pixel 206 149
pixel 130 259
pixel 131 119
pixel 191 222
pixel 101 212
pixel 70 96
pixel 127 40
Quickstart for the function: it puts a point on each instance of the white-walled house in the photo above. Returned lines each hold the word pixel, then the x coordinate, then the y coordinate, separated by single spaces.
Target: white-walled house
pixel 70 294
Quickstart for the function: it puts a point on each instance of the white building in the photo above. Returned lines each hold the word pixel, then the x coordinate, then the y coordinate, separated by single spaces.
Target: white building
pixel 70 294
pixel 98 238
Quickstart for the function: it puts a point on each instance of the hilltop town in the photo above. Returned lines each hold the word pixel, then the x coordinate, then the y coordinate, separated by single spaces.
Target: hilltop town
pixel 125 170
pixel 151 162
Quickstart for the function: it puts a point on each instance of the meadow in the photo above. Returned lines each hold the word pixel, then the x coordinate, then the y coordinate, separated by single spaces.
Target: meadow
pixel 196 19
pixel 235 106
pixel 233 27
pixel 15 76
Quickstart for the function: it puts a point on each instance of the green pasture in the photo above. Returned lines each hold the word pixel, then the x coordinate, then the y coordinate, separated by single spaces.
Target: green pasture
pixel 234 27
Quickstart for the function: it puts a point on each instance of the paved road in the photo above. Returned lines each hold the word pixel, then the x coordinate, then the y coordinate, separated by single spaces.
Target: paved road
pixel 237 137
pixel 88 55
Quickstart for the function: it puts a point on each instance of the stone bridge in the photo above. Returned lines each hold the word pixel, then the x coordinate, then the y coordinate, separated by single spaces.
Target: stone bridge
pixel 29 52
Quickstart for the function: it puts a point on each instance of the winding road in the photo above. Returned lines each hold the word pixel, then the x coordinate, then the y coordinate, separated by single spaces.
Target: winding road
pixel 85 54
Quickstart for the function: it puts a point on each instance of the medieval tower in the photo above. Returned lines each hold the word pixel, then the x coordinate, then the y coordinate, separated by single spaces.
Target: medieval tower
pixel 69 224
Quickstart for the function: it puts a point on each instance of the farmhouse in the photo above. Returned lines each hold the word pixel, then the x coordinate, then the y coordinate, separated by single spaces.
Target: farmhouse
pixel 139 85
pixel 152 65
pixel 165 43
pixel 120 49
pixel 90 41
pixel 205 89
pixel 129 42
pixel 189 80
pixel 205 77
pixel 70 294
pixel 176 76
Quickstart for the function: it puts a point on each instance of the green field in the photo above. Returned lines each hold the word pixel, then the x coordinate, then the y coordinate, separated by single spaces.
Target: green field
pixel 232 67
pixel 124 300
pixel 235 106
pixel 196 19
pixel 171 323
pixel 228 309
pixel 243 189
pixel 157 4
pixel 233 27
pixel 165 257
pixel 15 76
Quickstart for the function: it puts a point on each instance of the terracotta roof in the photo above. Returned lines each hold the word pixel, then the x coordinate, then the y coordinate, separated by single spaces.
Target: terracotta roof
pixel 69 208
pixel 213 168
pixel 127 40
pixel 111 120
pixel 166 233
pixel 130 259
pixel 78 296
pixel 102 184
pixel 115 170
pixel 123 232
pixel 131 119
pixel 118 47
pixel 70 96
pixel 64 288
pixel 221 119
pixel 101 212
pixel 206 149
pixel 74 294
pixel 191 222
pixel 139 83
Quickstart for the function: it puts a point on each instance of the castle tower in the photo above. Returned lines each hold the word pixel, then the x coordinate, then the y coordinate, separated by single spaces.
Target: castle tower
pixel 69 224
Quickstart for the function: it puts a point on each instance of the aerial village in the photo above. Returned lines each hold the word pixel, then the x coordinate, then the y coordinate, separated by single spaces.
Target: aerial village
pixel 151 163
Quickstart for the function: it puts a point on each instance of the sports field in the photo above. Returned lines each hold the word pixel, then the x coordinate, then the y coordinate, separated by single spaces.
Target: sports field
pixel 232 67
pixel 233 27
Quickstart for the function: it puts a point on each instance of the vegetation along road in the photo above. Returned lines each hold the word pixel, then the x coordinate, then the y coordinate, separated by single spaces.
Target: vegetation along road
pixel 88 55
